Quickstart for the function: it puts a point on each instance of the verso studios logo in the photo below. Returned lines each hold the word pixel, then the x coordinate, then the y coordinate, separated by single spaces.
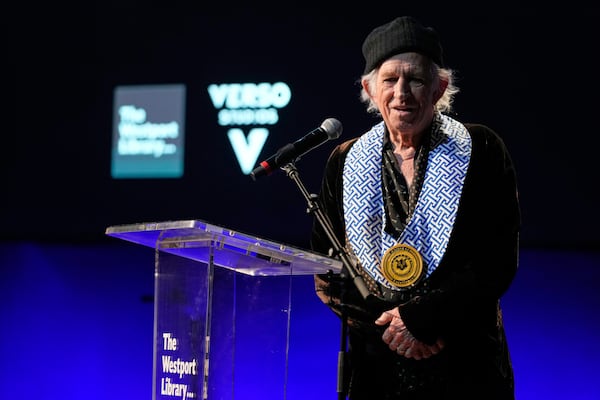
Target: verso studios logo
pixel 248 109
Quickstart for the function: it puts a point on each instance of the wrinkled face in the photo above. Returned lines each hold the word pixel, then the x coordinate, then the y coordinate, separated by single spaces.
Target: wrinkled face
pixel 406 92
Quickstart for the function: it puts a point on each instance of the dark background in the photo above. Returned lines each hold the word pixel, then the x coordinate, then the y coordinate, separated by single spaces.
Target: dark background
pixel 526 73
pixel 76 305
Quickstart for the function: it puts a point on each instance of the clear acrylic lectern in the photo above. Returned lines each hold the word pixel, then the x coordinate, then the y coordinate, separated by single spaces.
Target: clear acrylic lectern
pixel 222 309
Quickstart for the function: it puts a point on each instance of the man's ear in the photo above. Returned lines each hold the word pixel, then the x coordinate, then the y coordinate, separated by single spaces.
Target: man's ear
pixel 440 90
pixel 365 84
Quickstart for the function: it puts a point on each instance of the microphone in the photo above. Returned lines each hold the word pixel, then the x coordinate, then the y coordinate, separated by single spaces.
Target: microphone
pixel 331 128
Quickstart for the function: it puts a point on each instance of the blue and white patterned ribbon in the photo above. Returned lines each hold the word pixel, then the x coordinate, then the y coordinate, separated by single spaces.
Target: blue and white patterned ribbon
pixel 430 226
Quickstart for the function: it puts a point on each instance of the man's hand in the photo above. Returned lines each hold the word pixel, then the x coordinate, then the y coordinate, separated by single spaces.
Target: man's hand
pixel 401 341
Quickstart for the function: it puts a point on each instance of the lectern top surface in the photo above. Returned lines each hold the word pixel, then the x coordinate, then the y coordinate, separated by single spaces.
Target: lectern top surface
pixel 205 242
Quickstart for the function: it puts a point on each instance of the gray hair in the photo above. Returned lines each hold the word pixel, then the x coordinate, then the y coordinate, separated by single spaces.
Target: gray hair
pixel 443 105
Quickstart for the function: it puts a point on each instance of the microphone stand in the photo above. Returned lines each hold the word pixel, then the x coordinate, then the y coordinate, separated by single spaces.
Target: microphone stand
pixel 349 267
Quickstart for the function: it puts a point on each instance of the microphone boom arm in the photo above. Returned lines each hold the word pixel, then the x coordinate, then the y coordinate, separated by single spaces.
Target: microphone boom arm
pixel 313 208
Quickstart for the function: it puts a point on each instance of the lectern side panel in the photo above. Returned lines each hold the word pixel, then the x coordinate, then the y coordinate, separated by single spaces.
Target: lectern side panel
pixel 221 372
pixel 180 331
pixel 262 316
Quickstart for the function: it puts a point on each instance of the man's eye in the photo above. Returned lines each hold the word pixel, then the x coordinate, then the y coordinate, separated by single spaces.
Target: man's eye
pixel 417 82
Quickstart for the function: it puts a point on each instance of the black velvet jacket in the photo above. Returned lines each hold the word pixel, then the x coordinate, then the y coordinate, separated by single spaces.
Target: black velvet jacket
pixel 459 302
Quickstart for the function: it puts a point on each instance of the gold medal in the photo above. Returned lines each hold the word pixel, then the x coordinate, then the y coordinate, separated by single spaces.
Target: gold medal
pixel 402 265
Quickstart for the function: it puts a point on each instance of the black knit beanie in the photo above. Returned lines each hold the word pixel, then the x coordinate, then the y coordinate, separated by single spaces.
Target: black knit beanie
pixel 402 35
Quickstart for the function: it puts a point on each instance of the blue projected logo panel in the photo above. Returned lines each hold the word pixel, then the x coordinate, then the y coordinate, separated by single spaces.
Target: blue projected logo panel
pixel 148 131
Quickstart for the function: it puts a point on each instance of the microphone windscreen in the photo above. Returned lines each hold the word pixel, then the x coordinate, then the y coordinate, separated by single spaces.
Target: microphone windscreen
pixel 332 127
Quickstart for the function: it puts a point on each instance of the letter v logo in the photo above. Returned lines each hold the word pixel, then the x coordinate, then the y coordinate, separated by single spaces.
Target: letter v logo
pixel 247 150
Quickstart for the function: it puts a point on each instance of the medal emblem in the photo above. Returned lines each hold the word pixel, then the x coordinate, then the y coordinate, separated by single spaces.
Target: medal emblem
pixel 402 265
